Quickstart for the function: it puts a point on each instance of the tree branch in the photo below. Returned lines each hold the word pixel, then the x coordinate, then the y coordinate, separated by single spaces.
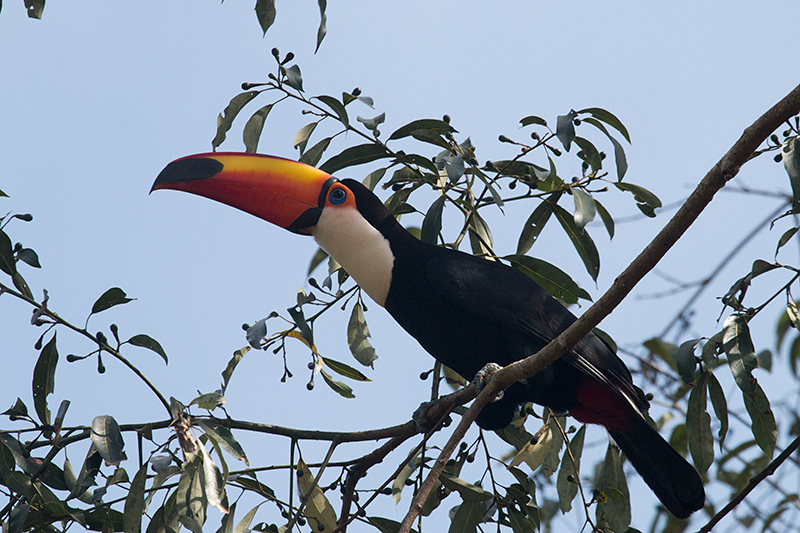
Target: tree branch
pixel 725 169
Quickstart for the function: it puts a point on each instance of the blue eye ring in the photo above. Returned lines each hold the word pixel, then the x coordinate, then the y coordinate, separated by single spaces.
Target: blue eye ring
pixel 337 196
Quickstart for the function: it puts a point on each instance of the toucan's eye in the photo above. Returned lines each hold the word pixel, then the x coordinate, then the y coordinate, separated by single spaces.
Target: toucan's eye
pixel 337 196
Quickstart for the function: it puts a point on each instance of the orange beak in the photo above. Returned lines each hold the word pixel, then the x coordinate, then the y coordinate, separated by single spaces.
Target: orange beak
pixel 281 191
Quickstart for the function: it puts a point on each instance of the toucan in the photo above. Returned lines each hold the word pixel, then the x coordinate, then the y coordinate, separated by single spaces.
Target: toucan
pixel 464 310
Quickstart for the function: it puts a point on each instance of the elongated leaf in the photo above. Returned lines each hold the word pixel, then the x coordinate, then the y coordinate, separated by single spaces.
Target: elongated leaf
pixel 552 279
pixel 7 262
pixel 214 485
pixel 608 118
pixel 302 136
pixel 134 502
pixel 244 525
pixel 532 119
pixel 786 237
pixel 253 128
pixel 698 427
pixel 467 517
pixel 605 216
pixel 339 387
pixel 110 298
pixel 535 224
pixel 613 511
pixel 294 78
pixel 765 430
pixel 581 240
pixel 228 372
pixel 686 362
pixel 224 437
pixel 88 473
pixel 791 162
pixel 565 129
pixel 568 474
pixel 432 224
pixel 519 522
pixel 265 12
pixel 585 210
pixel 358 335
pixel 314 154
pixel 355 155
pixel 225 120
pixel 374 178
pixel 620 160
pixel 480 236
pixel 536 450
pixel 318 508
pixel 107 439
pixel 589 153
pixel 29 256
pixel 720 405
pixel 322 30
pixel 641 195
pixel 300 320
pixel 145 341
pixel 384 525
pixel 337 107
pixel 436 126
pixel 738 346
pixel 468 491
pixel 431 137
pixel 44 379
pixel 344 370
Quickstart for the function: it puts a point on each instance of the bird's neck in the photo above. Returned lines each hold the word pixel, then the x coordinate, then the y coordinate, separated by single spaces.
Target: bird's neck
pixel 360 248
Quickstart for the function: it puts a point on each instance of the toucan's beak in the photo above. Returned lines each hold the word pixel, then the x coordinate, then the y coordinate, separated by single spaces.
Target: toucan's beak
pixel 281 191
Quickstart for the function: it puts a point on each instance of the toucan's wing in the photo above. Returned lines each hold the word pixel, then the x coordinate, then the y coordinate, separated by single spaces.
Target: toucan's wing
pixel 504 296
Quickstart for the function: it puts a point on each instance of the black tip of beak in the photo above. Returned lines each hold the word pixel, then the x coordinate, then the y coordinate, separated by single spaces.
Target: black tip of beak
pixel 187 170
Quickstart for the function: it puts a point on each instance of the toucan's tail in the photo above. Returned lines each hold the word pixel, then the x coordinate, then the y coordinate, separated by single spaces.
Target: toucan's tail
pixel 676 483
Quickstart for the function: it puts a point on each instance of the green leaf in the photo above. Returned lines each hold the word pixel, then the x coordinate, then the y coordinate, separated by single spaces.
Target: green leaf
pixel 468 491
pixel 7 262
pixel 110 298
pixel 225 120
pixel 145 341
pixel 29 256
pixel 720 405
pixel 314 154
pixel 791 162
pixel 344 370
pixel 550 464
pixel 698 427
pixel 339 387
pixel 302 136
pixel 605 216
pixel 641 195
pixel 532 119
pixel 253 128
pixel 620 160
pixel 686 362
pixel 519 522
pixel 555 281
pixel 228 372
pixel 300 321
pixel 480 235
pixel 265 12
pixel 467 517
pixel 432 224
pixel 322 30
pixel 35 8
pixel 436 126
pixel 565 129
pixel 318 510
pixel 786 237
pixel 337 107
pixel 244 525
pixel 613 511
pixel 19 409
pixel 107 439
pixel 431 137
pixel 134 502
pixel 224 437
pixel 536 222
pixel 385 525
pixel 88 473
pixel 765 430
pixel 44 379
pixel 741 353
pixel 355 155
pixel 589 153
pixel 567 484
pixel 358 335
pixel 374 178
pixel 581 240
pixel 608 118
pixel 294 78
pixel 584 207
pixel 213 484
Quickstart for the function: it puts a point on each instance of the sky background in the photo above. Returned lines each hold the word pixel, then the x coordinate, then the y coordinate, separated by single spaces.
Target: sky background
pixel 96 98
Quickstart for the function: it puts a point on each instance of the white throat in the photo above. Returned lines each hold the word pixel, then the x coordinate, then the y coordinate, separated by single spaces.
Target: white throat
pixel 356 245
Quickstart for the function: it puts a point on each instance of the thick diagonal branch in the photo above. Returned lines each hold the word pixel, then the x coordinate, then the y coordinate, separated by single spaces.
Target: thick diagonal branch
pixel 716 178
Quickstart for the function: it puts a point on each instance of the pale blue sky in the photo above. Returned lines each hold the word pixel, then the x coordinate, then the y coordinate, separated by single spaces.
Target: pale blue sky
pixel 97 98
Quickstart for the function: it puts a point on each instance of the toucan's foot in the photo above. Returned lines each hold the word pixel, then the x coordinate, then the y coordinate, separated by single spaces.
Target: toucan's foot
pixel 482 377
pixel 421 419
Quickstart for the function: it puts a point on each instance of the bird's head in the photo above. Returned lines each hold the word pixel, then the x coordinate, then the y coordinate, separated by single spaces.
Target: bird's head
pixel 287 193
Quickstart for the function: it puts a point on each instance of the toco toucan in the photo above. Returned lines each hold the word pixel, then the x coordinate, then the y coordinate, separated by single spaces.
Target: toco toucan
pixel 464 310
